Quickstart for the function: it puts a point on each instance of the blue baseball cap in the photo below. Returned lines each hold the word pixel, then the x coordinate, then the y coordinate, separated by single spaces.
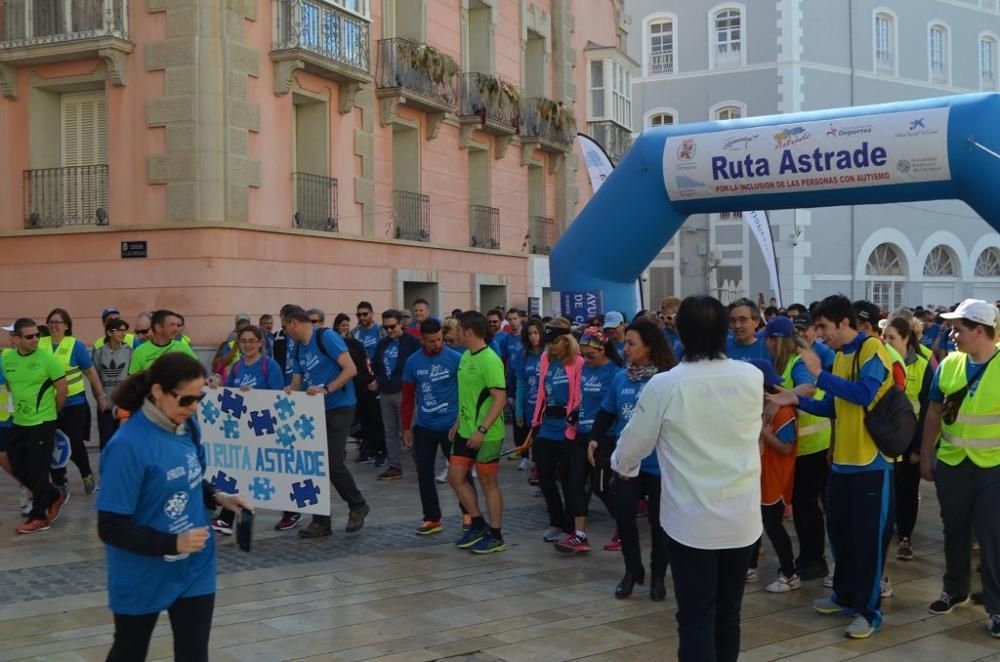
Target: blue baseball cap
pixel 109 311
pixel 778 327
pixel 613 320
pixel 771 378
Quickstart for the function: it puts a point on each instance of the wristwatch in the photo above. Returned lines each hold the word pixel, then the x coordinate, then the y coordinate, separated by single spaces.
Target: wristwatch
pixel 483 429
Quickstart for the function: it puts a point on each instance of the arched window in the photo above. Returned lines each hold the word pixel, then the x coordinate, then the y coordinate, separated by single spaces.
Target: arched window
pixel 661 119
pixel 939 55
pixel 885 261
pixel 988 264
pixel 661 47
pixel 727 38
pixel 886 267
pixel 940 263
pixel 728 113
pixel 885 43
pixel 988 62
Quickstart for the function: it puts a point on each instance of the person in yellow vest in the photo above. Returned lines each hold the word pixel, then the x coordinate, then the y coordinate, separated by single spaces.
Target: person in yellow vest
pixel 107 315
pixel 900 335
pixel 813 441
pixel 860 489
pixel 964 413
pixel 162 339
pixel 74 418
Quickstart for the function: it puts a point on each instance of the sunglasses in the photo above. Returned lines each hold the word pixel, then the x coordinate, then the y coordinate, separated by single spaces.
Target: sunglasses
pixel 316 321
pixel 122 329
pixel 29 336
pixel 389 327
pixel 188 400
pixel 142 332
pixel 360 314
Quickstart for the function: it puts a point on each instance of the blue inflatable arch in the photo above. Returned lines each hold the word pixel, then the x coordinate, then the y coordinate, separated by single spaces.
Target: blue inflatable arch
pixel 932 149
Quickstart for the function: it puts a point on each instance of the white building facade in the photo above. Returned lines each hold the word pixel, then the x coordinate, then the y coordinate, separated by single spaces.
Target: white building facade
pixel 703 59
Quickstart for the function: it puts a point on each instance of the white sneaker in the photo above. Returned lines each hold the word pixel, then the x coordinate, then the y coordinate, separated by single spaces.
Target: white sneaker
pixel 784 584
pixel 443 476
pixel 886 587
pixel 752 575
pixel 524 464
pixel 828 581
pixel 553 534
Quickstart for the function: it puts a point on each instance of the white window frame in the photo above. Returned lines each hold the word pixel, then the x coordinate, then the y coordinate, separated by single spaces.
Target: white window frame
pixel 366 7
pixel 647 36
pixel 647 117
pixel 713 112
pixel 713 35
pixel 613 97
pixel 893 67
pixel 945 53
pixel 604 90
pixel 995 43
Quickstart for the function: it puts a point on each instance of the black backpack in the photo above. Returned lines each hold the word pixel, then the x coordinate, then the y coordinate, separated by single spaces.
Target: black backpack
pixel 891 421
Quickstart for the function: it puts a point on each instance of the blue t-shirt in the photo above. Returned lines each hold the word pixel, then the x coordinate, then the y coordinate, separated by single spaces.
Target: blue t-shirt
pixel 78 358
pixel 390 356
pixel 264 374
pixel 594 384
pixel 527 376
pixel 556 395
pixel 155 477
pixel 620 400
pixel 757 350
pixel 369 338
pixel 318 370
pixel 436 381
pixel 498 343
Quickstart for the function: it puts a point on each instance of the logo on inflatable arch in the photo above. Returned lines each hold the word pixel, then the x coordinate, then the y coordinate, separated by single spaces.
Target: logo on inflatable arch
pixel 687 150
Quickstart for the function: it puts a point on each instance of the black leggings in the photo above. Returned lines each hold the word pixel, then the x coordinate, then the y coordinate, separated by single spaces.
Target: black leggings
pixel 190 621
pixel 773 517
pixel 907 497
pixel 552 460
pixel 627 495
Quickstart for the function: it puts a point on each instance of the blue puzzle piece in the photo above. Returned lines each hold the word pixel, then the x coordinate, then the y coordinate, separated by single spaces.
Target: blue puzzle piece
pixel 262 489
pixel 285 436
pixel 285 407
pixel 232 403
pixel 231 428
pixel 210 412
pixel 304 426
pixel 261 422
pixel 305 493
pixel 224 482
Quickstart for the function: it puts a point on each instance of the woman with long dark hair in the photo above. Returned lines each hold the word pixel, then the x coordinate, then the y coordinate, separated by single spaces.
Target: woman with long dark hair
pixel 526 395
pixel 153 513
pixel 646 354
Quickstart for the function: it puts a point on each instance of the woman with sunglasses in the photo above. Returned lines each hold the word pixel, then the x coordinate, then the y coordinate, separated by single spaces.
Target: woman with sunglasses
pixel 74 418
pixel 526 394
pixel 601 364
pixel 111 360
pixel 646 354
pixel 153 513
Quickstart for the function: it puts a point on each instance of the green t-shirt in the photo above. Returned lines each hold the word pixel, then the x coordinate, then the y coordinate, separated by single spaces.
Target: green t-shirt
pixel 30 380
pixel 477 374
pixel 146 354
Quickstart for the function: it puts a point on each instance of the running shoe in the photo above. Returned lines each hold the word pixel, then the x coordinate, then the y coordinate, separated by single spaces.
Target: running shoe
pixel 288 521
pixel 995 626
pixel 53 512
pixel 489 545
pixel 356 518
pixel 613 545
pixel 379 462
pixel 828 581
pixel 471 537
pixel 442 477
pixel 573 545
pixel 427 528
pixel 222 526
pixel 885 587
pixel 89 484
pixel 34 526
pixel 533 477
pixel 552 534
pixel 392 473
pixel 514 456
pixel 904 551
pixel 524 464
pixel 365 458
pixel 784 584
pixel 859 628
pixel 752 575
pixel 947 602
pixel 827 606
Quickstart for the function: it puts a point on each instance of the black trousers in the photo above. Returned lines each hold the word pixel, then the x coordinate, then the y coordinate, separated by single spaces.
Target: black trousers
pixel 859 509
pixel 907 497
pixel 30 452
pixel 602 478
pixel 577 487
pixel 107 425
pixel 426 444
pixel 773 517
pixel 553 460
pixel 75 423
pixel 627 494
pixel 808 493
pixel 338 426
pixel 370 417
pixel 190 622
pixel 708 585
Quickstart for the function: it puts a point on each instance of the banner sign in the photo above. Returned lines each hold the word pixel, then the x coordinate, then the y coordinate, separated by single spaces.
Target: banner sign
pixel 760 227
pixel 268 446
pixel 580 306
pixel 886 149
pixel 599 166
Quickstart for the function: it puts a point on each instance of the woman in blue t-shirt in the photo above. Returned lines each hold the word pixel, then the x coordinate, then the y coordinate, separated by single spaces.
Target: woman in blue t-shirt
pixel 646 354
pixel 526 393
pixel 153 512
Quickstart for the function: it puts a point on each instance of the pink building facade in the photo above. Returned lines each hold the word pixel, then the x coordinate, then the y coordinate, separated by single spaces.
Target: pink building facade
pixel 270 151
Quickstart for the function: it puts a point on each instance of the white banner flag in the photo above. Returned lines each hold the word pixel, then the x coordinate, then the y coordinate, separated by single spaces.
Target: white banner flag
pixel 599 166
pixel 761 229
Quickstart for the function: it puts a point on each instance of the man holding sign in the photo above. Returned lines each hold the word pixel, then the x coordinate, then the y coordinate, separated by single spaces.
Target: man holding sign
pixel 321 363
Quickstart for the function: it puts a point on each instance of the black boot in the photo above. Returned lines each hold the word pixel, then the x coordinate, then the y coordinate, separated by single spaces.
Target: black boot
pixel 657 591
pixel 628 582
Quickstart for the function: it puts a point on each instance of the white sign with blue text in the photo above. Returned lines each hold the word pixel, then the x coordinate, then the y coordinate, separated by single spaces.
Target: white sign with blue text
pixel 268 446
pixel 870 150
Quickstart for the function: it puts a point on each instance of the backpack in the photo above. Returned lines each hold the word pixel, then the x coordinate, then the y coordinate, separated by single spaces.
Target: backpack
pixel 236 368
pixel 891 422
pixel 319 343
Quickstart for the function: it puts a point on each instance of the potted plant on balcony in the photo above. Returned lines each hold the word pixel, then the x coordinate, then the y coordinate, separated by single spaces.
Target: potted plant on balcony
pixel 439 67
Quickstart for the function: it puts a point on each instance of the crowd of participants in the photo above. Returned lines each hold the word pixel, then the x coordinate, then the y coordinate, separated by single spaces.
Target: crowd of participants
pixel 750 418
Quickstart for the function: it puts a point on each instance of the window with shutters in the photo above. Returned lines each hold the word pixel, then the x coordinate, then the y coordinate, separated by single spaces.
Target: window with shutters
pixel 988 62
pixel 84 156
pixel 939 54
pixel 885 42
pixel 727 37
pixel 661 119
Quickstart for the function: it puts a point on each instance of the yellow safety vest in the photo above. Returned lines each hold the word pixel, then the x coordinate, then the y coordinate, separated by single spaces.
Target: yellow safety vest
pixel 855 445
pixel 814 431
pixel 915 379
pixel 128 340
pixel 74 375
pixel 975 434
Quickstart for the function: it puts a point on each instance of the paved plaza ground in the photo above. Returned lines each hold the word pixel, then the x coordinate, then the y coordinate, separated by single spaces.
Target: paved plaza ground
pixel 387 594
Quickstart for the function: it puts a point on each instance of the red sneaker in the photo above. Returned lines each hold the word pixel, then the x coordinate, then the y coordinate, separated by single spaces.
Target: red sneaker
pixel 573 545
pixel 53 512
pixel 614 545
pixel 34 526
pixel 533 477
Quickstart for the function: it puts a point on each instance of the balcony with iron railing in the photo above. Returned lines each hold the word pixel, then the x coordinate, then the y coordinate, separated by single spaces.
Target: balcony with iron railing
pixel 661 63
pixel 549 123
pixel 612 136
pixel 36 31
pixel 418 75
pixel 541 235
pixel 315 202
pixel 412 215
pixel 484 225
pixel 61 197
pixel 322 39
pixel 492 103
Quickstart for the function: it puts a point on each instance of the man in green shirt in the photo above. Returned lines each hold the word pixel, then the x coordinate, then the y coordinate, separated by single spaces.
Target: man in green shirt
pixel 478 434
pixel 165 325
pixel 37 383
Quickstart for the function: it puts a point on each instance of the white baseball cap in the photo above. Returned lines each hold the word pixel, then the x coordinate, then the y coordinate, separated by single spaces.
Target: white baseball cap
pixel 8 328
pixel 974 310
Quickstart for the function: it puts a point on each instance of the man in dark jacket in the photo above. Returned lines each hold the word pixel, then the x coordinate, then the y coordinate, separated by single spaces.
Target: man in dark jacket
pixel 367 415
pixel 390 357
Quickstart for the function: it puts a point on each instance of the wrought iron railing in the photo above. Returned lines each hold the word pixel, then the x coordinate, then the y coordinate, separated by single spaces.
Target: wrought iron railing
pixel 56 197
pixel 413 215
pixel 323 29
pixel 613 137
pixel 661 63
pixel 485 225
pixel 493 100
pixel 548 120
pixel 40 22
pixel 418 68
pixel 542 235
pixel 315 202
